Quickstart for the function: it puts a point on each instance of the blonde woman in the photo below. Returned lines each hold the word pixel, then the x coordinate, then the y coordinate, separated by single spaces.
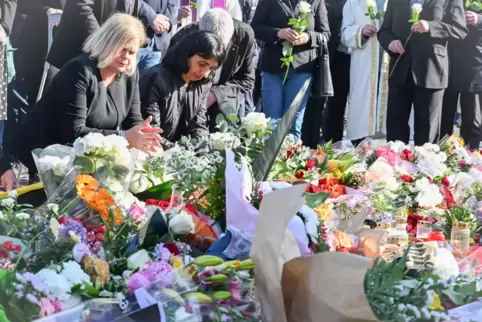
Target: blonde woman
pixel 95 92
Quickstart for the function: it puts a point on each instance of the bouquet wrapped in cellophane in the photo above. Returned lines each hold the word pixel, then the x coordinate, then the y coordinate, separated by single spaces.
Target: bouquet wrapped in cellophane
pixel 343 286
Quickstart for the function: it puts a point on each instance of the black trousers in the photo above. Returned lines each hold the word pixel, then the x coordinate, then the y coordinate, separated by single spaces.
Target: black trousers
pixel 427 105
pixel 312 122
pixel 471 114
pixel 336 105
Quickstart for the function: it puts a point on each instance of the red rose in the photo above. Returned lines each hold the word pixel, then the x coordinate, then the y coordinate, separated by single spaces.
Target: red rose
pixel 191 209
pixel 8 245
pixel 462 164
pixel 291 152
pixel 299 175
pixel 407 155
pixel 387 154
pixel 310 164
pixel 62 220
pixel 152 202
pixel 445 181
pixel 313 189
pixel 172 247
pixel 163 204
pixel 17 249
pixel 406 178
pixel 3 254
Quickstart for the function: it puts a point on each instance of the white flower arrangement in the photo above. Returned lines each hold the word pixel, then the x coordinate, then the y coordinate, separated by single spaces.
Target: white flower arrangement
pixel 181 224
pixel 428 194
pixel 304 7
pixel 255 123
pixel 74 274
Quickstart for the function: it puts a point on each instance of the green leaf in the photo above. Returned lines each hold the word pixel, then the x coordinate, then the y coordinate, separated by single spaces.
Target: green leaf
pixel 85 290
pixel 85 163
pixel 3 314
pixel 313 200
pixel 263 163
pixel 159 192
pixel 120 172
pixel 455 297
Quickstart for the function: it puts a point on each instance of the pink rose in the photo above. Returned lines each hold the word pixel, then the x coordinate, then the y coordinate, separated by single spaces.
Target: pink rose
pixel 137 213
pixel 387 154
pixel 59 306
pixel 46 307
pixel 136 281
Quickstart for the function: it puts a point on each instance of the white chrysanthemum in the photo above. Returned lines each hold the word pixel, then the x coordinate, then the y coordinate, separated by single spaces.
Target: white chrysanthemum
pixel 255 122
pixel 428 194
pixel 8 202
pixel 57 286
pixel 22 216
pixel 417 8
pixel 304 7
pixel 74 274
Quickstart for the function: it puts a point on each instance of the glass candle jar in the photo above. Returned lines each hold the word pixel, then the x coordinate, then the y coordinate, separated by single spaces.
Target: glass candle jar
pixel 401 223
pixel 423 228
pixel 401 241
pixel 460 236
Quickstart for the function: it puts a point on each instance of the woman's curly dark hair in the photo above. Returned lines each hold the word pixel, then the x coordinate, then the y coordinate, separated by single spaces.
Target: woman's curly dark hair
pixel 202 43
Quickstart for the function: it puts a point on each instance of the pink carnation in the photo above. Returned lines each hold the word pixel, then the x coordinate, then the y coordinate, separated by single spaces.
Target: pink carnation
pixel 136 281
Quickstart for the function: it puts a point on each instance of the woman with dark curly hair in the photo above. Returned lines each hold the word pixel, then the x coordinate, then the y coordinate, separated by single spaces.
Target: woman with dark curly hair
pixel 175 92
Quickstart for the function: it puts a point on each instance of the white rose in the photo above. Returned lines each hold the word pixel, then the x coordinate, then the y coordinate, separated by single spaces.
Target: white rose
pixel 13 194
pixel 371 4
pixel 304 7
pixel 220 140
pixel 255 122
pixel 22 216
pixel 53 207
pixel 181 223
pixel 417 8
pixel 139 260
pixel 8 202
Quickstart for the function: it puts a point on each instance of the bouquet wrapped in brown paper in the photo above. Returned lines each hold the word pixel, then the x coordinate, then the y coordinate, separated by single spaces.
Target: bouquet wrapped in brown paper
pixel 324 287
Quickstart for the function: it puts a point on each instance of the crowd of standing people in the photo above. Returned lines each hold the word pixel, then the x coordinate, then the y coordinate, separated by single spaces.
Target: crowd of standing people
pixel 152 71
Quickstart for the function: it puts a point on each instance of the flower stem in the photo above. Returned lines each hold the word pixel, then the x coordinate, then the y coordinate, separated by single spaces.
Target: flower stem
pixel 404 46
pixel 288 65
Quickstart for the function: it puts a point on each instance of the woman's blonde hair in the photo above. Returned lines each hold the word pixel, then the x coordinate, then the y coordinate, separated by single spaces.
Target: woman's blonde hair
pixel 112 37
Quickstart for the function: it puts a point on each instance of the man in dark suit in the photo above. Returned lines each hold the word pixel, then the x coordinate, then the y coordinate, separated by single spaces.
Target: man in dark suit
pixel 157 43
pixel 340 71
pixel 236 76
pixel 465 83
pixel 421 74
pixel 82 17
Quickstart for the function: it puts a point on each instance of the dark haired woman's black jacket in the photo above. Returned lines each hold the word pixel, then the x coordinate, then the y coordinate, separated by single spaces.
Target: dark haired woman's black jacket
pixel 271 16
pixel 178 109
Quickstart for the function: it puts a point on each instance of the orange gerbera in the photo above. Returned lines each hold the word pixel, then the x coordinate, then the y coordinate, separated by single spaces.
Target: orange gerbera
pixel 86 187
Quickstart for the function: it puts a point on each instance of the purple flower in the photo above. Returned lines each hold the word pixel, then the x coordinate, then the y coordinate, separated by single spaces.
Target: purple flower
pixel 162 253
pixel 159 272
pixel 74 226
pixel 80 250
pixel 234 287
pixel 136 281
pixel 32 298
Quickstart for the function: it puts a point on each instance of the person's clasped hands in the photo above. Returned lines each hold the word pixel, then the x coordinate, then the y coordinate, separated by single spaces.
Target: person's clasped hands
pixel 160 24
pixel 471 18
pixel 293 37
pixel 144 137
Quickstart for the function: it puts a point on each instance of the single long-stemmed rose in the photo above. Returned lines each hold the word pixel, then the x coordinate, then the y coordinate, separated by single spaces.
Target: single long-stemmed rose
pixel 416 10
pixel 299 24
pixel 371 11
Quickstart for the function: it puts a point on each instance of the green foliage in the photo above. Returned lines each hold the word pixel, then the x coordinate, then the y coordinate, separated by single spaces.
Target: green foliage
pixel 159 192
pixel 264 162
pixel 455 214
pixel 475 5
pixel 85 290
pixel 313 200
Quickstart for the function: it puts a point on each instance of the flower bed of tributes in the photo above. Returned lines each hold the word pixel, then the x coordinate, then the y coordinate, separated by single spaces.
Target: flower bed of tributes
pixel 392 229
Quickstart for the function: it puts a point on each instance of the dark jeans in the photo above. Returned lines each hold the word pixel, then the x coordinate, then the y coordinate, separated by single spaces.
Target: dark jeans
pixel 336 106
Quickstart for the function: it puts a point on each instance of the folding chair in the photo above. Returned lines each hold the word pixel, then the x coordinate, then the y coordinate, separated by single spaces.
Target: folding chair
pixel 54 16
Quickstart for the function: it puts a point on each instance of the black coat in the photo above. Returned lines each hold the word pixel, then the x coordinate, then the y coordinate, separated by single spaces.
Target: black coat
pixel 335 18
pixel 178 109
pixel 33 42
pixel 466 61
pixel 7 14
pixel 425 58
pixel 236 76
pixel 271 16
pixel 81 18
pixel 75 104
